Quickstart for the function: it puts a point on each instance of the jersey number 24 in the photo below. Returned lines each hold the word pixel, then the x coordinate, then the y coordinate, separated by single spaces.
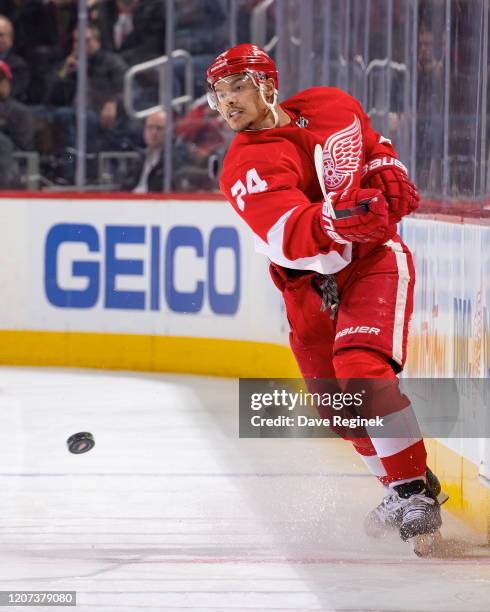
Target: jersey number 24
pixel 254 185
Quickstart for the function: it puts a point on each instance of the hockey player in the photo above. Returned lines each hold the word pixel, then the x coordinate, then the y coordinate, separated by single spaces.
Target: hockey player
pixel 347 281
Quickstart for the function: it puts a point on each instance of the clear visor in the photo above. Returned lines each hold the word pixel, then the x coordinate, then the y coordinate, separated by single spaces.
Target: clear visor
pixel 229 86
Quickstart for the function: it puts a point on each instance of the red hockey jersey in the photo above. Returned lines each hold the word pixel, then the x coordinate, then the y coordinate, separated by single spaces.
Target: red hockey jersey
pixel 269 176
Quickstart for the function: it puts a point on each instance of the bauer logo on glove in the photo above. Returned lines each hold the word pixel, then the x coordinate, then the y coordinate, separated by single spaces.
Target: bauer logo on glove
pixel 390 176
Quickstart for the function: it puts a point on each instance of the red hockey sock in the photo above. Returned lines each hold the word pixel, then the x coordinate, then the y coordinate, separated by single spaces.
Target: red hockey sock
pixel 402 458
pixel 405 465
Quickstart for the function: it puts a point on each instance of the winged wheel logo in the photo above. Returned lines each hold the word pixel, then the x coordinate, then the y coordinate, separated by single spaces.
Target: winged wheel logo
pixel 342 156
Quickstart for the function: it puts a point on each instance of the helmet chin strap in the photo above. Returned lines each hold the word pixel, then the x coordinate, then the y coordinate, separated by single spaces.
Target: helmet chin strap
pixel 270 105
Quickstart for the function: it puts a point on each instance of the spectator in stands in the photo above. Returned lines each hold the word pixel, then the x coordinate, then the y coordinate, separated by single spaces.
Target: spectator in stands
pixel 16 120
pixel 200 134
pixel 122 135
pixel 148 174
pixel 116 20
pixel 18 66
pixel 200 29
pixel 245 11
pixel 16 129
pixel 34 25
pixel 124 23
pixel 105 73
pixel 40 39
pixel 133 28
pixel 430 99
pixel 200 26
pixel 66 16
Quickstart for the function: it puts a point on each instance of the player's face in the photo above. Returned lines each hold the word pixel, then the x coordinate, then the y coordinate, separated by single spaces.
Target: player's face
pixel 240 103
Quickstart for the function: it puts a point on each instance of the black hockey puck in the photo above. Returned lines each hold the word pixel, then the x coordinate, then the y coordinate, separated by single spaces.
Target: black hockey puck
pixel 80 442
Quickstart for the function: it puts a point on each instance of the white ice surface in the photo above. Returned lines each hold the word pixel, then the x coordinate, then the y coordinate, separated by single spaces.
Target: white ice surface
pixel 172 511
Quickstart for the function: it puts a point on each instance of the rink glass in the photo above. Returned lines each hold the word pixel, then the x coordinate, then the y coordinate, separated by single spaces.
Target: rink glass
pixel 419 68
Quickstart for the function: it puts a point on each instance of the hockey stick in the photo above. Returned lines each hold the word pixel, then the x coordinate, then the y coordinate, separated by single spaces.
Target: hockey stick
pixel 318 157
pixel 360 209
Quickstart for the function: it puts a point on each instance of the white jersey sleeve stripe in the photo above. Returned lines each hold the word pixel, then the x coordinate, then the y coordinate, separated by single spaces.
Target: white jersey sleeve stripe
pixel 324 263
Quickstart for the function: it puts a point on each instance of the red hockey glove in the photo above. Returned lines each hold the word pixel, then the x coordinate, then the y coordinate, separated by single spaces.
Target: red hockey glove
pixel 390 176
pixel 362 216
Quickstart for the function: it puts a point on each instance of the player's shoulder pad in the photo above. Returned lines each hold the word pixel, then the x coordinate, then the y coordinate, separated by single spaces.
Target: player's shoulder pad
pixel 261 150
pixel 319 95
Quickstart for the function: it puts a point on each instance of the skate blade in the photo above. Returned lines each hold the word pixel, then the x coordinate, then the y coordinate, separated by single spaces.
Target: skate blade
pixel 427 544
pixel 442 498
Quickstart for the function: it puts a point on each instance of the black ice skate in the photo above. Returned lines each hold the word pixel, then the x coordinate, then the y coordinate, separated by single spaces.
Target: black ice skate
pixel 388 515
pixel 421 516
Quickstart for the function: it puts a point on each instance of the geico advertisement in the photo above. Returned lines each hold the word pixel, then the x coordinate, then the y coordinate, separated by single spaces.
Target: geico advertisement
pixel 153 267
pixel 137 267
